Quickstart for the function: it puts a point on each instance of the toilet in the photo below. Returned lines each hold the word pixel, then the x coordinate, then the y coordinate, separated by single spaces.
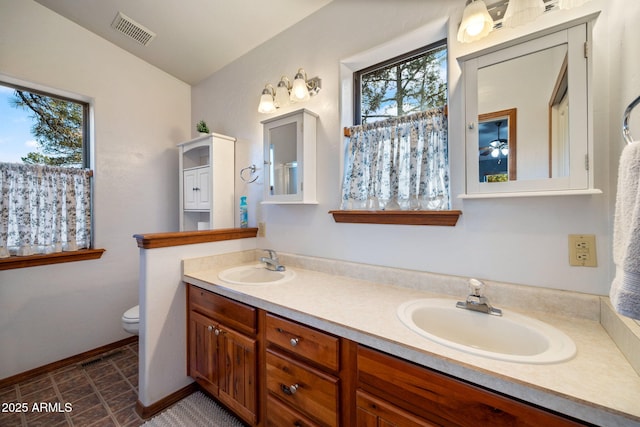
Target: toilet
pixel 131 320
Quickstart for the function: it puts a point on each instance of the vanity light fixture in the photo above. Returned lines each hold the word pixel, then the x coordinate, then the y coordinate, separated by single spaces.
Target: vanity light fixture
pixel 478 19
pixel 476 22
pixel 520 12
pixel 301 90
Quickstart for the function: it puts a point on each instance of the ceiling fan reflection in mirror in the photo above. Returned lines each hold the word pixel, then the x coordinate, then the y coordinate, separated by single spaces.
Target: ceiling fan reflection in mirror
pixel 496 147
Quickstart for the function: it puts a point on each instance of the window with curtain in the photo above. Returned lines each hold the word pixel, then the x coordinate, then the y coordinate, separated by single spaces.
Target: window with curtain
pixel 45 183
pixel 396 157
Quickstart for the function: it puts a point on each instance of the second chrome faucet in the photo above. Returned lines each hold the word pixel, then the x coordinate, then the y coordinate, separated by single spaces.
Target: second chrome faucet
pixel 476 300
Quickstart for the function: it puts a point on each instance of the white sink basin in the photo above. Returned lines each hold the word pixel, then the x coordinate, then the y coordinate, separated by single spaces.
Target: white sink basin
pixel 255 275
pixel 511 337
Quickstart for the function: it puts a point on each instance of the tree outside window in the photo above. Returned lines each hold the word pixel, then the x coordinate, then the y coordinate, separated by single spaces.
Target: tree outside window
pixel 410 83
pixel 58 127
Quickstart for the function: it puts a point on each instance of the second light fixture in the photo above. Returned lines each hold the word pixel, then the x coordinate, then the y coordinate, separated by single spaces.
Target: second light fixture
pixel 286 92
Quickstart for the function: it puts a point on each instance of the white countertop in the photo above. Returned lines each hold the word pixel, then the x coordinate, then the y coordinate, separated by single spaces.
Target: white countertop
pixel 598 385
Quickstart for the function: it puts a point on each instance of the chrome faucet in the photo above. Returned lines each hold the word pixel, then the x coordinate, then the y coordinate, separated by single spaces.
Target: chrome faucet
pixel 476 301
pixel 272 262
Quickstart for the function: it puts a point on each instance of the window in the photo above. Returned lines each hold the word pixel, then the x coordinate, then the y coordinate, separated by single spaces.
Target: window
pixel 41 128
pixel 45 183
pixel 409 83
pixel 396 156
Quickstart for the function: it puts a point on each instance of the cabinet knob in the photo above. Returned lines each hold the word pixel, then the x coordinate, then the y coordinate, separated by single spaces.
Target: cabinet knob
pixel 210 328
pixel 289 390
pixel 217 332
pixel 294 341
pixel 195 189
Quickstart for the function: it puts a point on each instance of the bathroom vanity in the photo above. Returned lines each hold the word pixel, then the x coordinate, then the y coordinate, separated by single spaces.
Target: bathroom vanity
pixel 310 378
pixel 325 350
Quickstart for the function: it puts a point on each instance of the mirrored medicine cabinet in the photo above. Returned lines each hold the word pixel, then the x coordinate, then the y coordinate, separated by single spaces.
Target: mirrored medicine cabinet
pixel 527 115
pixel 290 158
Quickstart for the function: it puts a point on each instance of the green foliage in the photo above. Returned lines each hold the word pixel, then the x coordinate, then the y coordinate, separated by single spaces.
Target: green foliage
pixel 409 86
pixel 202 127
pixel 57 128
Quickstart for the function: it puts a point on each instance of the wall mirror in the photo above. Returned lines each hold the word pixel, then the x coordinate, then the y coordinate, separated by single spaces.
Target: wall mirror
pixel 283 164
pixel 290 158
pixel 527 116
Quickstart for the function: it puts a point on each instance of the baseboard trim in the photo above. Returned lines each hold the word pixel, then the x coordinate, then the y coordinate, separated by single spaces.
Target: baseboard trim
pixel 27 375
pixel 162 404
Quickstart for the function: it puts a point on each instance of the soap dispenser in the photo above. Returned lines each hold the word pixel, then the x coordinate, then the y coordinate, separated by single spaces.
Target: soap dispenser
pixel 244 216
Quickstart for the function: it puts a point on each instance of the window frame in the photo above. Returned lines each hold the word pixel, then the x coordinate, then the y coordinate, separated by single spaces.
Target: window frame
pixel 86 110
pixel 348 67
pixel 414 53
pixel 91 253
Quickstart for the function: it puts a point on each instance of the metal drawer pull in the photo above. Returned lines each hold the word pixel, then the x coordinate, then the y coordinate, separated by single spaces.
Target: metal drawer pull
pixel 294 341
pixel 289 389
pixel 210 328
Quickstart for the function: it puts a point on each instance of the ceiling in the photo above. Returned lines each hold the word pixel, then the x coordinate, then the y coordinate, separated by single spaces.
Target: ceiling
pixel 194 38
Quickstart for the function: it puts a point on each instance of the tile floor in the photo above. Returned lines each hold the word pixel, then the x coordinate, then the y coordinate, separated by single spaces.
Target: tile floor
pixel 99 392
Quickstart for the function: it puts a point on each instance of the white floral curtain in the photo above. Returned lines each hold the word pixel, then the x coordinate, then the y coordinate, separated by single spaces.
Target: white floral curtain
pixel 44 209
pixel 399 163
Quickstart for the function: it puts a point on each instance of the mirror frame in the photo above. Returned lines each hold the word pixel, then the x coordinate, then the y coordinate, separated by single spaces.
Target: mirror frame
pixel 580 179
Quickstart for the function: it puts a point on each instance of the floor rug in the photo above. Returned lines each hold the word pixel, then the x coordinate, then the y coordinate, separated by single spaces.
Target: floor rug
pixel 196 410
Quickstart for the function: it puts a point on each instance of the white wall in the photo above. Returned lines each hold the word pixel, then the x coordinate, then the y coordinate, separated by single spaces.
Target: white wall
pixel 140 114
pixel 520 240
pixel 163 315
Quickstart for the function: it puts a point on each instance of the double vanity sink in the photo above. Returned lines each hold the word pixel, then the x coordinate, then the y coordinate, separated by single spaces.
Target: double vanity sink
pixel 413 316
pixel 510 336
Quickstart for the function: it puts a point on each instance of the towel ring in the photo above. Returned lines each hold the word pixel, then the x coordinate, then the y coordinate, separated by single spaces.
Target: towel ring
pixel 625 120
pixel 252 170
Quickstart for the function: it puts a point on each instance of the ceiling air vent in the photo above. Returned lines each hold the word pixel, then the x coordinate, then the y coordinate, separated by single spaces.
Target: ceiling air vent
pixel 132 29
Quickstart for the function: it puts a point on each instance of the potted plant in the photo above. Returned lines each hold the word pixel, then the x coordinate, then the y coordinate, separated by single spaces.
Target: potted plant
pixel 202 127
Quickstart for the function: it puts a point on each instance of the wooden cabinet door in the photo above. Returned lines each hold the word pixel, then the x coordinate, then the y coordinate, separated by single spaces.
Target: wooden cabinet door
pixel 238 373
pixel 374 412
pixel 203 351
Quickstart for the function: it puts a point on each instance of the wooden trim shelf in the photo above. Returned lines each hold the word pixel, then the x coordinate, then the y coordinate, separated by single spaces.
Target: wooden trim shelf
pixel 47 259
pixel 447 218
pixel 163 240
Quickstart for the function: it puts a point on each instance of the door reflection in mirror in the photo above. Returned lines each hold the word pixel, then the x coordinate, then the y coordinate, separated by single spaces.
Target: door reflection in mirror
pixel 497 151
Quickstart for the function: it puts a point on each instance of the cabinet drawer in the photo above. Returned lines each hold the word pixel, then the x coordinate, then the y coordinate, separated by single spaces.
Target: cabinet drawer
pixel 373 412
pixel 303 341
pixel 280 415
pixel 444 400
pixel 236 315
pixel 308 390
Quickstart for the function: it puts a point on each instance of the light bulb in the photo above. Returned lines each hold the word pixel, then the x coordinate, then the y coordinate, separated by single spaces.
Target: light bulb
pixel 299 91
pixel 282 92
pixel 476 22
pixel 266 104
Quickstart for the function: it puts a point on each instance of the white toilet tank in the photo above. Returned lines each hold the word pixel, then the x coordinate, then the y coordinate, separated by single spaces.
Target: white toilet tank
pixel 131 320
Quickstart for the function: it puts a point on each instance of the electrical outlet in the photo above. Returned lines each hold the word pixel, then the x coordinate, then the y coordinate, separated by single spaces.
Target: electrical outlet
pixel 582 250
pixel 262 229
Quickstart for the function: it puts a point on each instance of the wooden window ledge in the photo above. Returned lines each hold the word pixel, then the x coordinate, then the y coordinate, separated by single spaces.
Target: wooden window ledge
pixel 444 218
pixel 47 259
